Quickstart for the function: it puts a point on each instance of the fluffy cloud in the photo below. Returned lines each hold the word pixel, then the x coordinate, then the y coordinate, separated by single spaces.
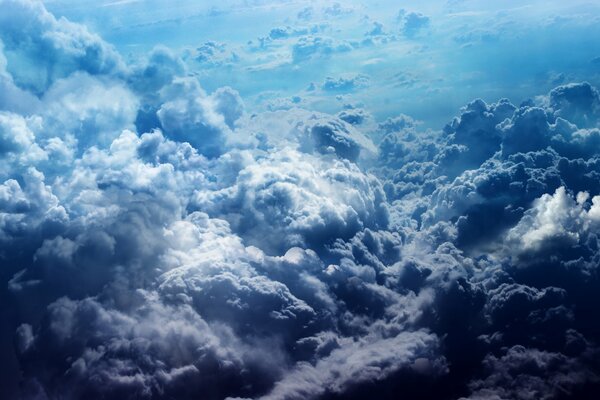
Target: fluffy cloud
pixel 579 103
pixel 151 350
pixel 28 30
pixel 159 241
pixel 214 54
pixel 354 115
pixel 188 114
pixel 358 363
pixel 345 84
pixel 412 23
pixel 93 111
pixel 312 46
pixel 533 374
pixel 18 146
pixel 554 220
pixel 293 199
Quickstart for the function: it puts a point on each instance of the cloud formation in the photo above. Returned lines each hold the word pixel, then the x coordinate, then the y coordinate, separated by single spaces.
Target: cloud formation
pixel 164 241
pixel 412 23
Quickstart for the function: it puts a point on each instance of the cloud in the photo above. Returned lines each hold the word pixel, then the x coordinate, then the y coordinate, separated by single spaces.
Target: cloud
pixel 158 71
pixel 295 199
pixel 554 220
pixel 474 134
pixel 29 30
pixel 92 110
pixel 13 98
pixel 534 374
pixel 214 54
pixel 306 14
pixel 578 103
pixel 345 84
pixel 336 9
pixel 308 131
pixel 354 116
pixel 358 363
pixel 189 114
pixel 412 23
pixel 153 350
pixel 310 46
pixel 18 146
pixel 398 123
pixel 162 241
pixel 377 29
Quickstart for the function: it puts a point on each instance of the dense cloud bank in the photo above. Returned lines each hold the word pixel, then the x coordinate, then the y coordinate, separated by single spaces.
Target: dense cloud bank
pixel 159 241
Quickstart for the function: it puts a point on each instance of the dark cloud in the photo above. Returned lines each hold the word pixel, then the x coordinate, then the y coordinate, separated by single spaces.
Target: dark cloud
pixel 523 373
pixel 354 116
pixel 578 103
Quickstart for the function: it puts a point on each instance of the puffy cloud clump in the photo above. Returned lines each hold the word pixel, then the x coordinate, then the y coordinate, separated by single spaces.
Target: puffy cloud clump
pixel 28 30
pixel 337 373
pixel 290 198
pixel 214 54
pixel 91 110
pixel 306 131
pixel 345 83
pixel 326 135
pixel 354 115
pixel 412 23
pixel 554 220
pixel 188 114
pixel 18 147
pixel 307 47
pixel 578 103
pixel 150 350
pixel 533 374
pixel 159 241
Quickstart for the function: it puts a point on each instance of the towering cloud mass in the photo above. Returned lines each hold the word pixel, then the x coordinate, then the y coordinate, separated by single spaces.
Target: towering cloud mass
pixel 162 241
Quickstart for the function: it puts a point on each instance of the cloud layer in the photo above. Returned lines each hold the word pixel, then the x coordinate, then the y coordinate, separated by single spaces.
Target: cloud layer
pixel 161 240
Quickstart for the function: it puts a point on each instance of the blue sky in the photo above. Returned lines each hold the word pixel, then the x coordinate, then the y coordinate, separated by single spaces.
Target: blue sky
pixel 466 49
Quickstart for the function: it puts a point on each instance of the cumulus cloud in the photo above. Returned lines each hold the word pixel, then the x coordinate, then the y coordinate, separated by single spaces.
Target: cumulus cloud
pixel 336 9
pixel 354 115
pixel 553 219
pixel 310 46
pixel 345 83
pixel 579 103
pixel 533 374
pixel 356 364
pixel 28 30
pixel 162 241
pixel 91 110
pixel 412 23
pixel 295 199
pixel 189 114
pixel 214 54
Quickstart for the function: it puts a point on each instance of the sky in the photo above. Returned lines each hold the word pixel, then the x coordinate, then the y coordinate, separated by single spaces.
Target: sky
pixel 463 50
pixel 281 200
